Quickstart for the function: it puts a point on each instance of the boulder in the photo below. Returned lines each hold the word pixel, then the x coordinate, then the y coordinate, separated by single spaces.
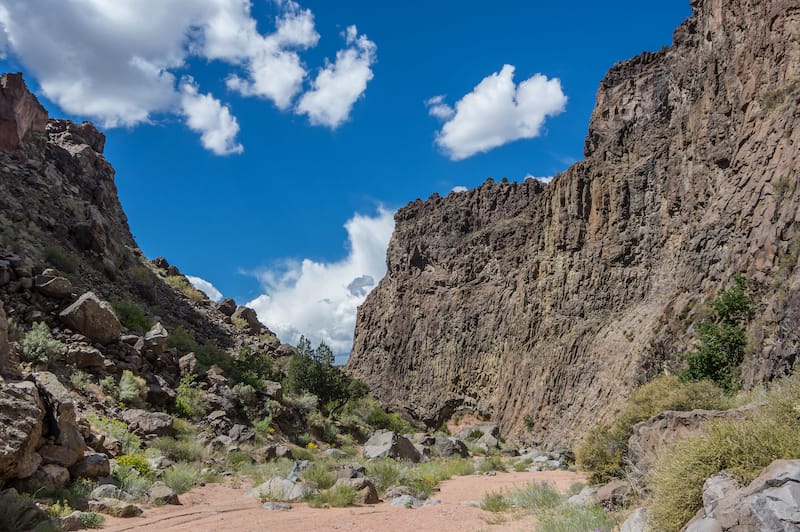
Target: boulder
pixel 227 306
pixel 92 465
pixel 53 286
pixel 385 443
pixel 650 438
pixel 279 489
pixel 636 522
pixel 365 489
pixel 487 441
pixel 85 356
pixel 586 497
pixel 21 415
pixel 484 428
pixel 406 501
pixel 273 390
pixel 276 506
pixel 189 366
pixel 20 112
pixel 446 446
pixel 249 315
pixel 156 339
pixel 67 444
pixel 769 503
pixel 148 423
pixel 160 493
pixel 108 491
pixel 616 492
pixel 47 478
pixel 93 318
pixel 115 508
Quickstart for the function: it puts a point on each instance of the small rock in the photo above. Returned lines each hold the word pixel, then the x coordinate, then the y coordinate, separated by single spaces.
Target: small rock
pixel 115 508
pixel 160 493
pixel 108 491
pixel 277 506
pixel 406 501
pixel 279 489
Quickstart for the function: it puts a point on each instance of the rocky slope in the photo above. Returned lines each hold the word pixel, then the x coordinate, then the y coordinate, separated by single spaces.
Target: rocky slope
pixel 543 306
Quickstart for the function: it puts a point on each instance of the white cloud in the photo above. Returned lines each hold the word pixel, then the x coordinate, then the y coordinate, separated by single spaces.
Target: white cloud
pixel 545 180
pixel 121 62
pixel 338 85
pixel 496 112
pixel 206 115
pixel 207 288
pixel 458 188
pixel 319 300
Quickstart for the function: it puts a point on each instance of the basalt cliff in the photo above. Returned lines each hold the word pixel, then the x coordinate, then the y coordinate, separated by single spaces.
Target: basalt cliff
pixel 543 306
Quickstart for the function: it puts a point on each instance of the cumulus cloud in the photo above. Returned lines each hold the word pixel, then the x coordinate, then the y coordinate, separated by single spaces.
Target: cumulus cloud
pixel 206 115
pixel 338 85
pixel 496 112
pixel 207 288
pixel 458 188
pixel 319 300
pixel 121 62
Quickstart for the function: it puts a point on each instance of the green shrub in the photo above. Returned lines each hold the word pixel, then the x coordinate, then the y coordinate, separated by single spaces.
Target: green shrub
pixel 495 502
pixel 337 497
pixel 80 380
pixel 131 443
pixel 425 477
pixel 605 448
pixel 39 346
pixel 132 389
pixel 535 497
pixel 318 476
pixel 61 259
pixel 236 459
pixel 109 385
pixel 577 518
pixel 181 477
pixel 262 428
pixel 384 472
pixel 186 449
pixel 183 340
pixel 721 343
pixel 130 481
pixel 378 418
pixel 91 519
pixel 475 434
pixel 743 447
pixel 190 401
pixel 491 463
pixel 131 315
pixel 137 462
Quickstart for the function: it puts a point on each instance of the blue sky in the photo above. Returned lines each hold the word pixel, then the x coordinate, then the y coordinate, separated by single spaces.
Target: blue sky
pixel 314 169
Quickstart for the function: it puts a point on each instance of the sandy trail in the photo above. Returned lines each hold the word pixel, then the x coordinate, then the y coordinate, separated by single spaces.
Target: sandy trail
pixel 219 507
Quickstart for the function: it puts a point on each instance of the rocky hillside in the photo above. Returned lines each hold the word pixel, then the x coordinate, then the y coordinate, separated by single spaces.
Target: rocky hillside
pixel 542 307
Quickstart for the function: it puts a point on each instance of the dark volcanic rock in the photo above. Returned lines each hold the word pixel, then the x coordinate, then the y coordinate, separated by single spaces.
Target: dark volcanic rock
pixel 543 306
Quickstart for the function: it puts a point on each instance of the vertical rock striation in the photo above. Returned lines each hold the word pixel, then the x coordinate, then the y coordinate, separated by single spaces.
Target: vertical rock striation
pixel 543 306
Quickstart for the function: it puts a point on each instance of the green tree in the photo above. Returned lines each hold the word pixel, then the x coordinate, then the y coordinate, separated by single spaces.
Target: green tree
pixel 721 342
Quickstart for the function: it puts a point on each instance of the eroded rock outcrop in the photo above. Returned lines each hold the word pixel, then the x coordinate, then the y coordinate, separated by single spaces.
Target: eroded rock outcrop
pixel 543 306
pixel 20 112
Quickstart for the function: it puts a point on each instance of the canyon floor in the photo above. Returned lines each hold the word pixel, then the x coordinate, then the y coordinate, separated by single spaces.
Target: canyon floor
pixel 218 507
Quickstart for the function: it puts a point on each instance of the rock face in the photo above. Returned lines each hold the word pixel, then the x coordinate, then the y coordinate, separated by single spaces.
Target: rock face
pixel 21 415
pixel 93 318
pixel 543 306
pixel 388 444
pixel 20 112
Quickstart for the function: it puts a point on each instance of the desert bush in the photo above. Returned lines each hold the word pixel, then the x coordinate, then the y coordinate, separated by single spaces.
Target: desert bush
pixel 131 315
pixel 423 478
pixel 535 496
pixel 495 502
pixel 306 402
pixel 184 449
pixel 378 418
pixel 131 443
pixel 183 340
pixel 109 386
pixel 181 477
pixel 491 463
pixel 323 426
pixel 130 481
pixel 742 447
pixel 605 449
pixel 80 380
pixel 574 518
pixel 318 476
pixel 61 259
pixel 39 346
pixel 137 462
pixel 337 497
pixel 384 472
pixel 190 401
pixel 132 389
pixel 91 519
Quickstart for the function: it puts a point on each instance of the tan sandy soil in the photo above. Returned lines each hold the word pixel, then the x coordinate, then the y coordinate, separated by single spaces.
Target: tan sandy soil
pixel 219 507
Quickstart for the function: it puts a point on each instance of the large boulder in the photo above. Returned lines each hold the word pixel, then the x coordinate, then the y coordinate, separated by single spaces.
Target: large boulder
pixel 770 503
pixel 50 284
pixel 280 489
pixel 149 423
pixel 250 317
pixel 65 444
pixel 227 306
pixel 156 339
pixel 366 493
pixel 20 112
pixel 388 444
pixel 93 318
pixel 21 415
pixel 448 446
pixel 92 465
pixel 651 437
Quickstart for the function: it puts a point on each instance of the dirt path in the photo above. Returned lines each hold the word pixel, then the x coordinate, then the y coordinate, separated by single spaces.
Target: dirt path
pixel 218 507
